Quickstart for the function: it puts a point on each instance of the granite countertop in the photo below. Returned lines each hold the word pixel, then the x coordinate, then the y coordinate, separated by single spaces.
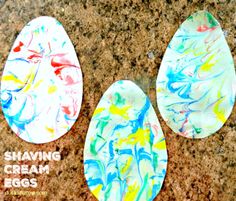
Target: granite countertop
pixel 124 40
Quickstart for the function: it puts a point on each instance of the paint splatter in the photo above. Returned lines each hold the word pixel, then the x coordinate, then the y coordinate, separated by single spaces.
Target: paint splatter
pixel 196 80
pixel 18 47
pixel 41 86
pixel 125 155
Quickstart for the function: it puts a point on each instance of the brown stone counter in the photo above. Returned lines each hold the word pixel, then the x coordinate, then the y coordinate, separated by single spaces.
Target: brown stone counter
pixel 124 39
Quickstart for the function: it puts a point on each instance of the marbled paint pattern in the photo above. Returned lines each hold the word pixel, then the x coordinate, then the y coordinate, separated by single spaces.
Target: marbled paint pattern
pixel 125 154
pixel 196 80
pixel 41 86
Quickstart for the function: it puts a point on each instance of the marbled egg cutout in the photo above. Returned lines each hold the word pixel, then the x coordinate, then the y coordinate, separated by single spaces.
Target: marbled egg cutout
pixel 196 81
pixel 125 154
pixel 41 86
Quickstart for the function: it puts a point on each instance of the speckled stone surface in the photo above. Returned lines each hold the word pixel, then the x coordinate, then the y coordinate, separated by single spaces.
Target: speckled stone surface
pixel 124 40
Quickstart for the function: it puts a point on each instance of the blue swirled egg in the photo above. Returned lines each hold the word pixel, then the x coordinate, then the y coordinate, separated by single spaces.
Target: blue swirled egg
pixel 125 154
pixel 196 81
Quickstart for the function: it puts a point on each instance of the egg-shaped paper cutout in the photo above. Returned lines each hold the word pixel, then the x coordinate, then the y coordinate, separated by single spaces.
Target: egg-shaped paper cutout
pixel 196 81
pixel 125 154
pixel 41 85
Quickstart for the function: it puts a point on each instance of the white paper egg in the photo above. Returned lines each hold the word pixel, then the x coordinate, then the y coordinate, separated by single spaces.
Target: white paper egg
pixel 125 154
pixel 196 80
pixel 41 86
